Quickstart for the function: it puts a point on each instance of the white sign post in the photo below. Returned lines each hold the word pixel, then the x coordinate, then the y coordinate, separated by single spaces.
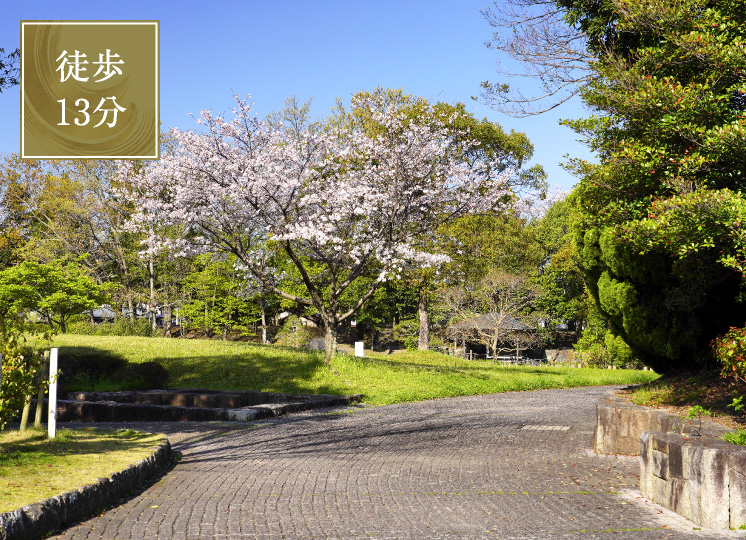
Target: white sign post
pixel 359 348
pixel 52 421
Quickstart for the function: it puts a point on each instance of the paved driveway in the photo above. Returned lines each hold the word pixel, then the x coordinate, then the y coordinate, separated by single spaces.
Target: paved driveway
pixel 514 465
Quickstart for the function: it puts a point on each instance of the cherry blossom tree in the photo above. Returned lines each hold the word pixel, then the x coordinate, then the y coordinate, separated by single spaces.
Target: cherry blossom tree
pixel 340 203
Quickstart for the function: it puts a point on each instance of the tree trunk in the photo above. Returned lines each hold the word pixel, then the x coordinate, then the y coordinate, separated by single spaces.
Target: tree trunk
pixel 128 290
pixel 330 342
pixel 151 305
pixel 264 323
pixel 424 340
pixel 167 313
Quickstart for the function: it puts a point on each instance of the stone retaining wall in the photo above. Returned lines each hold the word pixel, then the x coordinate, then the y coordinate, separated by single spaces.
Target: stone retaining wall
pixel 36 520
pixel 684 466
pixel 699 478
pixel 620 424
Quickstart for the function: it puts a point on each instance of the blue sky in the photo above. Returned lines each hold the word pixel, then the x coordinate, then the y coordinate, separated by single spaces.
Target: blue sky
pixel 320 49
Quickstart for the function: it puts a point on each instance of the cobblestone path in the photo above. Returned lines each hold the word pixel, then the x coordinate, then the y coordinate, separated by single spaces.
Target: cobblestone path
pixel 507 466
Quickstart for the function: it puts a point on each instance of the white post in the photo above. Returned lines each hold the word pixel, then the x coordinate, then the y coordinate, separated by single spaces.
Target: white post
pixel 52 421
pixel 359 348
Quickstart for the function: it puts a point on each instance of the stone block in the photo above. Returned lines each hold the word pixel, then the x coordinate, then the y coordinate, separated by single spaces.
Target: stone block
pixel 737 459
pixel 658 489
pixel 660 442
pixel 177 399
pixel 148 397
pixel 659 464
pixel 646 473
pixel 737 492
pixel 676 458
pixel 208 401
pixel 678 496
pixel 254 397
pixel 708 485
pixel 230 401
pixel 605 435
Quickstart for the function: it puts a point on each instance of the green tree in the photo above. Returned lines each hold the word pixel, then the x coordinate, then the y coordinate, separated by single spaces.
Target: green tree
pixel 558 272
pixel 20 363
pixel 670 137
pixel 9 70
pixel 54 291
pixel 467 239
pixel 216 304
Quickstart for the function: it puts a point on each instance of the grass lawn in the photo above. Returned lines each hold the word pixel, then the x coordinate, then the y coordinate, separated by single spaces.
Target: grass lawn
pixel 34 468
pixel 383 379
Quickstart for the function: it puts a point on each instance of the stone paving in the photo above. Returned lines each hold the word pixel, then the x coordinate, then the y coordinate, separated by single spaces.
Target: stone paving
pixel 507 466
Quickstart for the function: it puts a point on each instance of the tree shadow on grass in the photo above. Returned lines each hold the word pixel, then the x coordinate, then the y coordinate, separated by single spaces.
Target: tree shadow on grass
pixel 456 369
pixel 38 447
pixel 90 368
pixel 253 371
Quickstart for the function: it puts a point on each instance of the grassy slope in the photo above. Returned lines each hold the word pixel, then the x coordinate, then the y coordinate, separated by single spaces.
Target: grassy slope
pixel 33 468
pixel 383 379
pixel 708 389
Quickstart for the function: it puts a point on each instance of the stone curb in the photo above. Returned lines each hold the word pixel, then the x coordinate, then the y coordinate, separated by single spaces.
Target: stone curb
pixel 37 519
pixel 109 411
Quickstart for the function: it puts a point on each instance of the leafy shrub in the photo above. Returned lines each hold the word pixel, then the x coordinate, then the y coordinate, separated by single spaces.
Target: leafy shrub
pixel 21 359
pixel 599 347
pixel 736 437
pixel 121 327
pixel 730 350
pixel 408 333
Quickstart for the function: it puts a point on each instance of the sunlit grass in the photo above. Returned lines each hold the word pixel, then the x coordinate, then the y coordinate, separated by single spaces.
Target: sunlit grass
pixel 383 379
pixel 34 468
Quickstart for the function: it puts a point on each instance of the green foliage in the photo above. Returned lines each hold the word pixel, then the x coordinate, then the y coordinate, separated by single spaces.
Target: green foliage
pixel 54 291
pixel 697 411
pixel 565 297
pixel 20 361
pixel 659 219
pixel 293 333
pixel 20 372
pixel 736 437
pixel 737 404
pixel 120 327
pixel 407 332
pixel 9 71
pixel 599 347
pixel 218 302
pixel 730 350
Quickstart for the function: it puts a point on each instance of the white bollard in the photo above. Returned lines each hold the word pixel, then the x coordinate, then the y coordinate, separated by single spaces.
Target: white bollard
pixel 52 420
pixel 359 348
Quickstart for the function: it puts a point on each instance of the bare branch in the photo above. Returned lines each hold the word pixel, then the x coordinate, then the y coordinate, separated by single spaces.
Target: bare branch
pixel 533 34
